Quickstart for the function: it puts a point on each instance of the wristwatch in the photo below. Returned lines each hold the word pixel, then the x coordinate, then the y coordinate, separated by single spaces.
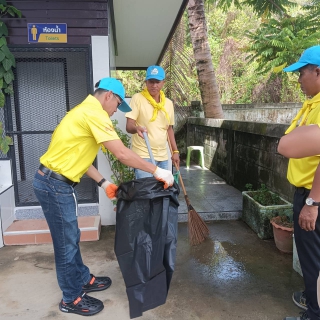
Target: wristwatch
pixel 101 182
pixel 311 202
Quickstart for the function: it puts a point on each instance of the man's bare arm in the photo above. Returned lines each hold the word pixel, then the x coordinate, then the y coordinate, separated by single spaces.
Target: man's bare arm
pixel 302 142
pixel 132 128
pixel 128 157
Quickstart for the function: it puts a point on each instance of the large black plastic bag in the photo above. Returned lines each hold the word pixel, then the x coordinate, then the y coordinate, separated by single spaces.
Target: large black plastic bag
pixel 145 241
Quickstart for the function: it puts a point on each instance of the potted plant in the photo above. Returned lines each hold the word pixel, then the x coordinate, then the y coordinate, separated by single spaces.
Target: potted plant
pixel 120 172
pixel 260 206
pixel 283 233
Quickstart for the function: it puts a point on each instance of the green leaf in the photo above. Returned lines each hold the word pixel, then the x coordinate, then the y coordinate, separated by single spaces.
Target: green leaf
pixel 8 77
pixel 6 51
pixel 2 56
pixel 12 59
pixel 15 11
pixel 9 89
pixel 7 64
pixel 4 146
pixel 2 98
pixel 3 41
pixel 3 30
pixel 11 12
pixel 8 140
pixel 2 71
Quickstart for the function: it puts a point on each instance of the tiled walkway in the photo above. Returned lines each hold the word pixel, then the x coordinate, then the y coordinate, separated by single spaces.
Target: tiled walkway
pixel 209 195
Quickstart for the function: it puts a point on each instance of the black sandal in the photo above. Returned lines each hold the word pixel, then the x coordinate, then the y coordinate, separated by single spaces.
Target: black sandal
pixel 84 305
pixel 97 284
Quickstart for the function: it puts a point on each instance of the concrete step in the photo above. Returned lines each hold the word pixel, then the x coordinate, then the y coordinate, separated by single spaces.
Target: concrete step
pixel 36 231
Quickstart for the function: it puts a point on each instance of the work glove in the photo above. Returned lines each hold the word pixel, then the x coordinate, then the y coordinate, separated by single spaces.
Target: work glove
pixel 165 176
pixel 110 189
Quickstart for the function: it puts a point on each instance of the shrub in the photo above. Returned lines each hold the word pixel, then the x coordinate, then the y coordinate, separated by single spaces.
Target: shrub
pixel 263 195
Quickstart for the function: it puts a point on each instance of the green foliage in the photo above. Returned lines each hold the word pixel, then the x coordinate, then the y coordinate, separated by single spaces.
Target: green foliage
pixel 263 195
pixel 263 8
pixel 4 141
pixel 245 47
pixel 281 41
pixel 121 172
pixel 268 7
pixel 7 62
pixel 132 80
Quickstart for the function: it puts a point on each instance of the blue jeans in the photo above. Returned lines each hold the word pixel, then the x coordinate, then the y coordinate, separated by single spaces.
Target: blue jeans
pixel 142 174
pixel 59 205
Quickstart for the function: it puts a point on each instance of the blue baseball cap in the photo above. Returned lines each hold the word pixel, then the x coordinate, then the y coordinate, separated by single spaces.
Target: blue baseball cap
pixel 114 85
pixel 155 72
pixel 309 56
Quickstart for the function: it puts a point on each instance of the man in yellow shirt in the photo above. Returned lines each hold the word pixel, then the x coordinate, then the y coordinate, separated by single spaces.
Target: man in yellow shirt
pixel 72 150
pixel 153 113
pixel 304 174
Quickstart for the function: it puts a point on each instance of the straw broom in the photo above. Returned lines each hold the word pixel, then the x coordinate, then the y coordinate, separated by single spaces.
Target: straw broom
pixel 198 230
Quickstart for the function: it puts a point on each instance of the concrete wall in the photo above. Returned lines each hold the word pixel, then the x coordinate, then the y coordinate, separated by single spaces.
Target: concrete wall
pixel 269 113
pixel 242 152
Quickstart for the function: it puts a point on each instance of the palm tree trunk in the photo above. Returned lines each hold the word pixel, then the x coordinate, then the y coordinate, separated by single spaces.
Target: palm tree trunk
pixel 201 50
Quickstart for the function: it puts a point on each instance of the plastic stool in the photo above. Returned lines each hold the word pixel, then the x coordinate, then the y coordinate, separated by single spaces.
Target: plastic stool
pixel 191 148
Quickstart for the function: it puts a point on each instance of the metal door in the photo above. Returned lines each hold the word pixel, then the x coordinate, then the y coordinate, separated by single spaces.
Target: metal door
pixel 48 83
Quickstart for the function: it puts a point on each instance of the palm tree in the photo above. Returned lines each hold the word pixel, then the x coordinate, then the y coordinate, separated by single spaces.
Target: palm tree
pixel 201 50
pixel 198 31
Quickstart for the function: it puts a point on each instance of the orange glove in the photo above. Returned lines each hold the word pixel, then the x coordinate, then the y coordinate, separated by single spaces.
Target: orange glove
pixel 165 176
pixel 110 189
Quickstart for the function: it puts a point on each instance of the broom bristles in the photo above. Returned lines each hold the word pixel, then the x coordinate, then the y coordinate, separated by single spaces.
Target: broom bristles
pixel 198 230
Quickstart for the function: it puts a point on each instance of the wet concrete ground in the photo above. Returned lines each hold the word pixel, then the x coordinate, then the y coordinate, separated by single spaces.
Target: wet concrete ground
pixel 233 275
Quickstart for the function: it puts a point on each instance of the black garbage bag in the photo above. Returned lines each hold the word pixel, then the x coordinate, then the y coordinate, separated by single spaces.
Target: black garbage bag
pixel 145 241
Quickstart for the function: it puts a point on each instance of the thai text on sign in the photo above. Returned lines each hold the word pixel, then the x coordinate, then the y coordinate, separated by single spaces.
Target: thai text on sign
pixel 47 32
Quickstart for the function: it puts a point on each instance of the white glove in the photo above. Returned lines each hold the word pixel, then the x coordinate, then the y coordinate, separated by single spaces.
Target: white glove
pixel 110 189
pixel 165 176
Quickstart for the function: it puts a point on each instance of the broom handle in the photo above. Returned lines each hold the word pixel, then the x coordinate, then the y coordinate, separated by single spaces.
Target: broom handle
pixel 146 139
pixel 180 178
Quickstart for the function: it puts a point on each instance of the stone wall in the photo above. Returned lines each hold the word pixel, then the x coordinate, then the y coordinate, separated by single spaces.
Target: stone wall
pixel 267 112
pixel 241 152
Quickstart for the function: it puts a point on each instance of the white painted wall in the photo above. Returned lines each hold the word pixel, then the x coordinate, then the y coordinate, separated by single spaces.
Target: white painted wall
pixel 101 68
pixel 6 197
pixel 106 209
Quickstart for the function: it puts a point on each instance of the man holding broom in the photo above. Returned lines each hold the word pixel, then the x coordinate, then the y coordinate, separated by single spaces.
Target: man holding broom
pixel 153 113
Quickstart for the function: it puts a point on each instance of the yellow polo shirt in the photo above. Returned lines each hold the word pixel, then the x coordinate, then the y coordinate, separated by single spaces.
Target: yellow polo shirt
pixel 142 112
pixel 301 171
pixel 76 140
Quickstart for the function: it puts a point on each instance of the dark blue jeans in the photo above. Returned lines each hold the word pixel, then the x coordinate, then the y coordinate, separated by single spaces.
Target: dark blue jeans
pixel 59 205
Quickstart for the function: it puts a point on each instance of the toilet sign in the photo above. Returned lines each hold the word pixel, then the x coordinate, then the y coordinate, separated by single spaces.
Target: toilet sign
pixel 47 32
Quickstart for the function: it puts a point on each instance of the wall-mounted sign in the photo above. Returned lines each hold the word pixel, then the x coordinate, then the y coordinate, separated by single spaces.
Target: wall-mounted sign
pixel 47 32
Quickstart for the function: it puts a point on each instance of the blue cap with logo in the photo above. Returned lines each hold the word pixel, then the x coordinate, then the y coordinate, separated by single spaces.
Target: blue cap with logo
pixel 114 85
pixel 155 72
pixel 309 56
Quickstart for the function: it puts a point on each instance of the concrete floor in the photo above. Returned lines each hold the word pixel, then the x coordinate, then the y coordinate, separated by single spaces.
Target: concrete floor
pixel 233 275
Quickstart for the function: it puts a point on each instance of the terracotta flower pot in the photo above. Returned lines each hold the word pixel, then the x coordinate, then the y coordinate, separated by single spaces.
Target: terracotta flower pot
pixel 282 235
